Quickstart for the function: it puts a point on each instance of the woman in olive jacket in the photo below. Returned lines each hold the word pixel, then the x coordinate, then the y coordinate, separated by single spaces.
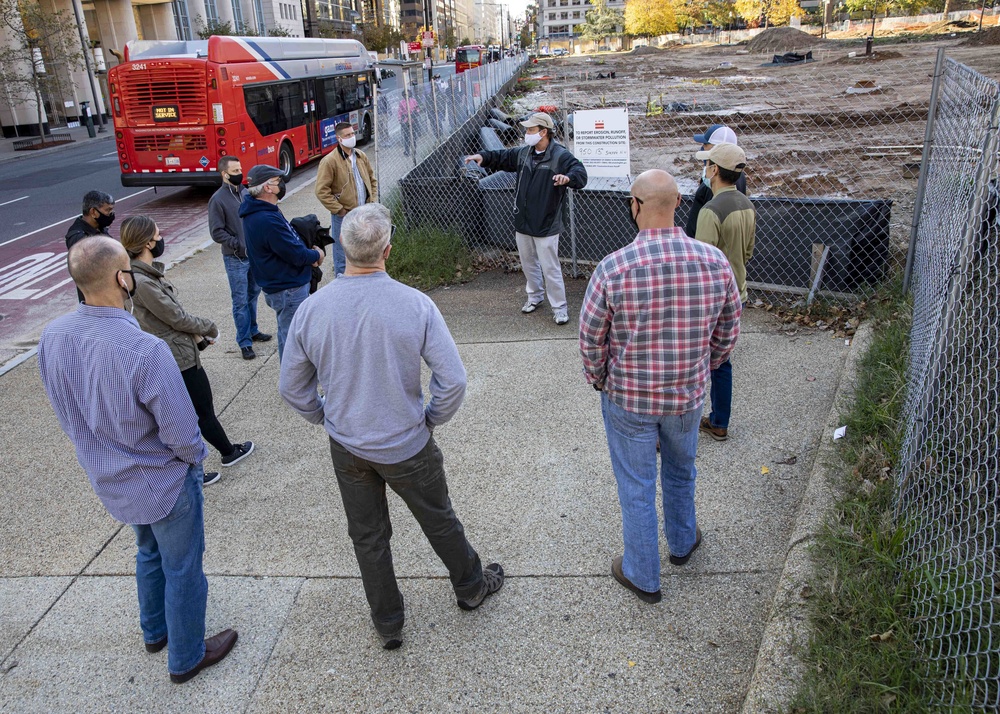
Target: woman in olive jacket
pixel 160 313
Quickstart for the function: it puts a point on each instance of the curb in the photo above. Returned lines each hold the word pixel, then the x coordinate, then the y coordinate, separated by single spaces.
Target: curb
pixel 9 158
pixel 778 668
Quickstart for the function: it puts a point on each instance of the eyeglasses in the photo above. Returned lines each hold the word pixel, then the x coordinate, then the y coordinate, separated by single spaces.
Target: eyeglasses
pixel 628 200
pixel 131 274
pixel 392 231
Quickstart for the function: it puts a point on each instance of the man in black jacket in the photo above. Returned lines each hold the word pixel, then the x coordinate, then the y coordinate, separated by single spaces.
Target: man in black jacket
pixel 715 134
pixel 98 213
pixel 227 230
pixel 544 169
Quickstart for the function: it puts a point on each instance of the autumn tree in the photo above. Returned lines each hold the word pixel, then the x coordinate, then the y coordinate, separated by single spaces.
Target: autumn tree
pixel 689 13
pixel 649 18
pixel 36 36
pixel 602 21
pixel 768 12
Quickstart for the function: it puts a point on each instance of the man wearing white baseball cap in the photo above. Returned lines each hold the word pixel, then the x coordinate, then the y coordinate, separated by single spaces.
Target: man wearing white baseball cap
pixel 728 222
pixel 545 169
pixel 715 134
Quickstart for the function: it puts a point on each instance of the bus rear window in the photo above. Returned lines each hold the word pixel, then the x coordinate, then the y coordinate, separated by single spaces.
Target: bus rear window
pixel 471 56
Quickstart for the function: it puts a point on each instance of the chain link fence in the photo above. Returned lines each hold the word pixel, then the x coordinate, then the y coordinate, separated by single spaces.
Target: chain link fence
pixel 833 162
pixel 948 500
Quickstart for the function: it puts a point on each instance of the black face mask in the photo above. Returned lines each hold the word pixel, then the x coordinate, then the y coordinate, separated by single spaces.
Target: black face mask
pixel 635 218
pixel 103 221
pixel 235 179
pixel 281 189
pixel 130 293
pixel 157 249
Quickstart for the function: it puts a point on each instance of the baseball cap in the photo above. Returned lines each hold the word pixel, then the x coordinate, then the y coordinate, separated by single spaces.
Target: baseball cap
pixel 717 134
pixel 262 173
pixel 727 156
pixel 539 119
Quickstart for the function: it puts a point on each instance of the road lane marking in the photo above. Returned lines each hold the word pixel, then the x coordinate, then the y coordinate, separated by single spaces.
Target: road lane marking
pixel 14 200
pixel 66 220
pixel 110 153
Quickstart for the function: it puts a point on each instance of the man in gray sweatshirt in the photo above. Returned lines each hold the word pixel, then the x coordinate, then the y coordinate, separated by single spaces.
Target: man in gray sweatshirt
pixel 362 339
pixel 226 227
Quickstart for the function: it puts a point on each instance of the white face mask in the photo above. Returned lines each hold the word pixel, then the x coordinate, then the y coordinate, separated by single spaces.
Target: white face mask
pixel 349 142
pixel 532 139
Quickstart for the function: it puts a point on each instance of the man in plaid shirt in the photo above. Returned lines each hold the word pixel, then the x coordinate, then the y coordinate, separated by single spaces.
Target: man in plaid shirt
pixel 658 315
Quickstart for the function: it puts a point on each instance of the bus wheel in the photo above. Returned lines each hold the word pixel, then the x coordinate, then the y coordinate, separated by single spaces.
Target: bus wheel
pixel 286 161
pixel 366 133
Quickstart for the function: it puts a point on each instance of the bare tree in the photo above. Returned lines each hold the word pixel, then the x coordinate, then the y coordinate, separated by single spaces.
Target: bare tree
pixel 34 34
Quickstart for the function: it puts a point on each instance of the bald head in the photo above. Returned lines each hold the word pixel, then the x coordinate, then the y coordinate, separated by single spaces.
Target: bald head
pixel 93 262
pixel 660 198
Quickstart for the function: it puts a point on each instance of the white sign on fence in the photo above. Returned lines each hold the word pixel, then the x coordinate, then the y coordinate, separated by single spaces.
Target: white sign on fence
pixel 601 141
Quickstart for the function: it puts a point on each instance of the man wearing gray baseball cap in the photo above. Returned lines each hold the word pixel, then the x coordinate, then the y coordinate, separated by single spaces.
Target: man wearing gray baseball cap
pixel 545 169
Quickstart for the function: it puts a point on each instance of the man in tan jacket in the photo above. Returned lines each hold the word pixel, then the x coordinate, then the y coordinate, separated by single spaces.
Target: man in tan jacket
pixel 344 181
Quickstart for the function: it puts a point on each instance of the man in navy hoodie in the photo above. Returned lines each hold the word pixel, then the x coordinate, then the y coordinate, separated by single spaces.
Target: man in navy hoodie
pixel 279 260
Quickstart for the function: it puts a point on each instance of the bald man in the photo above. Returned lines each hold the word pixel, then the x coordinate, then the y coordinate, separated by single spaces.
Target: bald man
pixel 658 315
pixel 141 449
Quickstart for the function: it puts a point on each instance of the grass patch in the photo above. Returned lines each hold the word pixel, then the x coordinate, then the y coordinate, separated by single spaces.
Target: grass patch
pixel 427 257
pixel 859 588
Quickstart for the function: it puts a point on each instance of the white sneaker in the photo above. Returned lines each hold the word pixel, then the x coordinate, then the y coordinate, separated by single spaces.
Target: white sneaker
pixel 530 306
pixel 560 316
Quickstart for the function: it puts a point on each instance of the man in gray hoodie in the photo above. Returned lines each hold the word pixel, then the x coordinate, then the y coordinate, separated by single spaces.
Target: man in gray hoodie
pixel 227 230
pixel 362 338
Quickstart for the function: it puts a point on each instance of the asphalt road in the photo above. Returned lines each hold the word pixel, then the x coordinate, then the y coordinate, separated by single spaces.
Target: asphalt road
pixel 46 189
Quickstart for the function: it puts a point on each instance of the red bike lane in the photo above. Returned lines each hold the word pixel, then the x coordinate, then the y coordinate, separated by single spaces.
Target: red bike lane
pixel 35 286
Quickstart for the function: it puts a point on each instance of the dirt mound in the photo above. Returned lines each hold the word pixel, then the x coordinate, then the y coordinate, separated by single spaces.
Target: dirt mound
pixel 783 39
pixel 986 38
pixel 862 58
pixel 645 50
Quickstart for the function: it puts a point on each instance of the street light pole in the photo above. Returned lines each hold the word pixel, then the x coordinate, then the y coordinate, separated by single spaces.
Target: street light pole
pixel 89 66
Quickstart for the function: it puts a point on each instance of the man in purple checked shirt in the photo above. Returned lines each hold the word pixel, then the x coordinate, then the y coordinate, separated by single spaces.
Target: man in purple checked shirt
pixel 119 396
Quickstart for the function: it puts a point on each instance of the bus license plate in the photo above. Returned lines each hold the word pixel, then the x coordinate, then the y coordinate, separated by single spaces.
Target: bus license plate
pixel 173 161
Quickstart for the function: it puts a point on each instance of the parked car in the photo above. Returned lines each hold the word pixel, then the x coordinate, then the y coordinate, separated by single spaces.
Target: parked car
pixel 559 52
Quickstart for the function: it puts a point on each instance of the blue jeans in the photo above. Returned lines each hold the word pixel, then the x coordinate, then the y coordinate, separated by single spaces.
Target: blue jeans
pixel 285 303
pixel 722 395
pixel 339 259
pixel 632 442
pixel 244 291
pixel 173 589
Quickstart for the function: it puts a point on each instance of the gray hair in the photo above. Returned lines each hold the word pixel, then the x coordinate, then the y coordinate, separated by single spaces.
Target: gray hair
pixel 255 191
pixel 96 199
pixel 365 233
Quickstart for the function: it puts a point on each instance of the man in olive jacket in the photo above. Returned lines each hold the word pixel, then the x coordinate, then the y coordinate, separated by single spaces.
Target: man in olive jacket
pixel 344 181
pixel 545 169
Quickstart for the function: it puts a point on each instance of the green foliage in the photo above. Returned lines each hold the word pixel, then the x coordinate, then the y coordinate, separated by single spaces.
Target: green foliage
pixel 214 27
pixel 464 42
pixel 427 257
pixel 860 586
pixel 601 22
pixel 379 38
pixel 278 32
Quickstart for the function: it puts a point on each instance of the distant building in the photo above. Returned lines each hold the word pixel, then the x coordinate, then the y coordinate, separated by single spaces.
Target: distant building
pixel 560 19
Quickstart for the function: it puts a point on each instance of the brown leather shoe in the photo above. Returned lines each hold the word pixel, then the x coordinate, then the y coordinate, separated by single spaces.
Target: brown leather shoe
pixel 681 560
pixel 216 649
pixel 616 571
pixel 156 646
pixel 716 432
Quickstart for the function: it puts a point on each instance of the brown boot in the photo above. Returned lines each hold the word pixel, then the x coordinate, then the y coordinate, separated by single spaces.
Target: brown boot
pixel 716 432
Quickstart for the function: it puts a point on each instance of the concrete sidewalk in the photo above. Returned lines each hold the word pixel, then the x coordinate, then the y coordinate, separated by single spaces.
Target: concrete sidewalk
pixel 77 134
pixel 530 477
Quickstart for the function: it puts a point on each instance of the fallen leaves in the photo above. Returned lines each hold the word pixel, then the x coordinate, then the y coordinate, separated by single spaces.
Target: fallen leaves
pixel 888 636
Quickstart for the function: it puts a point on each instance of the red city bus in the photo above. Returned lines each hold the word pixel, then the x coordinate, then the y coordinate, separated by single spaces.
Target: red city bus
pixel 469 57
pixel 179 106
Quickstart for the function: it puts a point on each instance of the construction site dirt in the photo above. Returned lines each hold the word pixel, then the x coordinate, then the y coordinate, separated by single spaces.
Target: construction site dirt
pixel 844 125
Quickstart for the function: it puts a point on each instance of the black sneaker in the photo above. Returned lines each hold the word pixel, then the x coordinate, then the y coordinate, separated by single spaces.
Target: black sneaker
pixel 240 452
pixel 492 581
pixel 248 352
pixel 210 478
pixel 261 337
